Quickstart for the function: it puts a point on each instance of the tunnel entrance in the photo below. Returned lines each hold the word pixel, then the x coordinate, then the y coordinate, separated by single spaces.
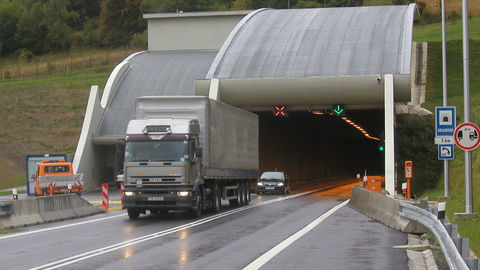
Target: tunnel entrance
pixel 308 146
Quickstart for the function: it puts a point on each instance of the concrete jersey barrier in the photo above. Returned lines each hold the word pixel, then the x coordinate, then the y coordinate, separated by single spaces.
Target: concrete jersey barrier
pixel 31 211
pixel 383 209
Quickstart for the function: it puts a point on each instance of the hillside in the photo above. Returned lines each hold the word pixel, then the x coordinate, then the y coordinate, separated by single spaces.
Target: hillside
pixel 43 112
pixel 431 33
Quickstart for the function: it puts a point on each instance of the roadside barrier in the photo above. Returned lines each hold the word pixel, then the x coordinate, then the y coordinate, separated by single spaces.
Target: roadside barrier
pixel 384 209
pixel 31 211
pixel 105 202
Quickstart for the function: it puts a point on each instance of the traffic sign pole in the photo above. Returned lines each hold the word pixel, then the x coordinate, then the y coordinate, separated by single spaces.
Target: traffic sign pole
pixel 444 127
pixel 466 105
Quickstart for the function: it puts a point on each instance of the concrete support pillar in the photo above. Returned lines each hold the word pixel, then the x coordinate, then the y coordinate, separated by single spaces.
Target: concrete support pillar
pixel 214 92
pixel 389 106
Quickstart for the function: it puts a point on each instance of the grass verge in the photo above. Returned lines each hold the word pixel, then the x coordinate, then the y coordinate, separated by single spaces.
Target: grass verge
pixel 456 202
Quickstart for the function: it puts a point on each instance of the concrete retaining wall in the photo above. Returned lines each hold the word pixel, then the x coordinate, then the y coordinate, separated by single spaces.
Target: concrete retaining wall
pixel 38 210
pixel 383 209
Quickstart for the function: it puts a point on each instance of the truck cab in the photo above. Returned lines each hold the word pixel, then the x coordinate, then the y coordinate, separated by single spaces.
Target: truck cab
pixel 56 177
pixel 162 170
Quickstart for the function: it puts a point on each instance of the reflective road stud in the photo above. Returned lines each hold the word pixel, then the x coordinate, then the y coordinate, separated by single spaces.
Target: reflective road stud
pixel 105 196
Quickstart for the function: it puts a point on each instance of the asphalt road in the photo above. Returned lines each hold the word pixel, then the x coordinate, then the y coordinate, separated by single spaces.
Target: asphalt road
pixel 306 230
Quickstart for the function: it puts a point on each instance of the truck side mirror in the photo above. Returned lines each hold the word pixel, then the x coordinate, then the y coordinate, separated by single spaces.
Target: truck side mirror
pixel 199 152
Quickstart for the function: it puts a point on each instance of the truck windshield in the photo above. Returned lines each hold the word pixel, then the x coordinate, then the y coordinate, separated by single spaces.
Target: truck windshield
pixel 156 151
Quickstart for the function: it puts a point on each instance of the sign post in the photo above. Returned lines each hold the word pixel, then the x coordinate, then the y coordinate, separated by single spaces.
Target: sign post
pixel 408 175
pixel 445 121
pixel 467 138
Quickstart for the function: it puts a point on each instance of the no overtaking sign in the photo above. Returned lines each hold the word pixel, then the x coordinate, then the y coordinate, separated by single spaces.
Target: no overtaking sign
pixel 467 136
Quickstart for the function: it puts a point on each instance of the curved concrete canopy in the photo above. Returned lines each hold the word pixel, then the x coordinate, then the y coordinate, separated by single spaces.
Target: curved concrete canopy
pixel 157 73
pixel 303 57
pixel 318 42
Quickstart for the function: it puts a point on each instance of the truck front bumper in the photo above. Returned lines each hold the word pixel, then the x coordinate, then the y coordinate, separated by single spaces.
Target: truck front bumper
pixel 157 199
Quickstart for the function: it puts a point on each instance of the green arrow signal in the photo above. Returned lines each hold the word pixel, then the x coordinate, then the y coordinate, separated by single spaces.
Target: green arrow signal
pixel 338 110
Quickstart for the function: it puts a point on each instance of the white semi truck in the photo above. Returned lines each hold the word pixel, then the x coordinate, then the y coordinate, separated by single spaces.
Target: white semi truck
pixel 188 152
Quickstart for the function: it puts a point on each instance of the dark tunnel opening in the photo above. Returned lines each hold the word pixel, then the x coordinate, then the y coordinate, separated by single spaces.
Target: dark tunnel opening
pixel 308 146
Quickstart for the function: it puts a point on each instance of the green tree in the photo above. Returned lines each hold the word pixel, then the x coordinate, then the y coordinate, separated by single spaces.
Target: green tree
pixel 9 17
pixel 119 20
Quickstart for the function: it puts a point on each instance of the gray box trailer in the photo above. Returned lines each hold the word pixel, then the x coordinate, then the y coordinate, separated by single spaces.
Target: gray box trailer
pixel 200 151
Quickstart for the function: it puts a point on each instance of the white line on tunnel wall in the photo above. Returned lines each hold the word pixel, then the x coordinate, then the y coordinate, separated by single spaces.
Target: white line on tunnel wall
pixel 260 261
pixel 107 249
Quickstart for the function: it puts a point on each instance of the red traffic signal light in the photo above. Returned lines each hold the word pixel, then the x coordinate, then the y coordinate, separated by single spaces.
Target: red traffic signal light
pixel 280 111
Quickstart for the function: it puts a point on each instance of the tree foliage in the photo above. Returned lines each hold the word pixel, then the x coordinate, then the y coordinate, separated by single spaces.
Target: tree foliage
pixel 414 141
pixel 43 26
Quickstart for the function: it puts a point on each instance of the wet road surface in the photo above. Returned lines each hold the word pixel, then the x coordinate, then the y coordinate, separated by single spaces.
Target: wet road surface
pixel 268 232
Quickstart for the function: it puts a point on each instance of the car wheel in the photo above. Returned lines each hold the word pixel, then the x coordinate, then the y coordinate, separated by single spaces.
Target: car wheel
pixel 133 214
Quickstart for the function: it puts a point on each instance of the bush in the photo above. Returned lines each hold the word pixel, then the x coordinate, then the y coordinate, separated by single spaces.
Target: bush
pixel 25 55
pixel 415 141
pixel 139 40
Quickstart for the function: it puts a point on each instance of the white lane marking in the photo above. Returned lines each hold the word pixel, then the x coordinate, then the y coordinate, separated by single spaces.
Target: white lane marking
pixel 107 249
pixel 260 261
pixel 59 227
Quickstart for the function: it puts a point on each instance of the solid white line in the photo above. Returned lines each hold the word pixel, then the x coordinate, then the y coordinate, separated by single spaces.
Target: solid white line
pixel 60 227
pixel 107 249
pixel 260 261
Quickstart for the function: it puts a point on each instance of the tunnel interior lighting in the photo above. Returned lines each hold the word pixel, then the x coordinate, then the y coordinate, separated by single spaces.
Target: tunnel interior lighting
pixel 359 128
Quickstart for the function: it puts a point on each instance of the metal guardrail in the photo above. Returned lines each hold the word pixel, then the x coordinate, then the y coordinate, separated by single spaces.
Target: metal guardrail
pixel 429 220
pixel 6 208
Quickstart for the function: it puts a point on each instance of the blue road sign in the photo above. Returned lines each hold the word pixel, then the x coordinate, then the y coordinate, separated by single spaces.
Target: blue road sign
pixel 445 121
pixel 445 151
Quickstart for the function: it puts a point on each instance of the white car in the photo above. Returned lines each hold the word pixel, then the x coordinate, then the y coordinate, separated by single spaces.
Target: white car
pixel 119 178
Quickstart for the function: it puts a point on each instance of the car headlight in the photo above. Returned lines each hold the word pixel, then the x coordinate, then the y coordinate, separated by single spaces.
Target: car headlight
pixel 129 193
pixel 259 184
pixel 280 184
pixel 183 193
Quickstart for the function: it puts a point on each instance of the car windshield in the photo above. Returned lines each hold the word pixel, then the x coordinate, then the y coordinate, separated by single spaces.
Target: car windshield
pixel 156 151
pixel 272 176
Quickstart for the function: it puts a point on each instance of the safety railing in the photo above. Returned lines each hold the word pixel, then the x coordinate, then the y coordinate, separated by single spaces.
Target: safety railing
pixel 429 220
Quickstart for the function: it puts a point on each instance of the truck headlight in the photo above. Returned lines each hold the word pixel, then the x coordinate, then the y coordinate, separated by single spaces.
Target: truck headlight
pixel 280 184
pixel 129 193
pixel 259 184
pixel 183 193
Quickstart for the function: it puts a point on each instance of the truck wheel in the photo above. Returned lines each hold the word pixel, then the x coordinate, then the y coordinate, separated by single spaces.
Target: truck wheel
pixel 133 214
pixel 247 193
pixel 241 194
pixel 197 210
pixel 217 199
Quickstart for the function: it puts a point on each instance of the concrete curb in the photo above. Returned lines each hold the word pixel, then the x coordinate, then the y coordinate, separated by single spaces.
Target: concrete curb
pixel 31 211
pixel 383 209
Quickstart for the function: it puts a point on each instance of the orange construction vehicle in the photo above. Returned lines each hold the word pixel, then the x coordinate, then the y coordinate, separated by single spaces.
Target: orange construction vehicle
pixel 56 177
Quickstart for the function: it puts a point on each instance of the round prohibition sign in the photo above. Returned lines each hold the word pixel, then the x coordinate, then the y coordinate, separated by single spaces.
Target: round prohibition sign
pixel 467 136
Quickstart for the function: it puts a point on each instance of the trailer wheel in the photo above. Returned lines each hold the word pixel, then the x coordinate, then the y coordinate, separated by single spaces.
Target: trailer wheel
pixel 133 214
pixel 197 210
pixel 241 194
pixel 217 199
pixel 247 193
